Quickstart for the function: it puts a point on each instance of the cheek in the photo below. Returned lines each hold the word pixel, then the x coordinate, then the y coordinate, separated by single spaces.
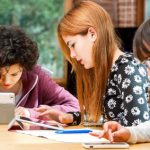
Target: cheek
pixel 90 52
pixel 16 79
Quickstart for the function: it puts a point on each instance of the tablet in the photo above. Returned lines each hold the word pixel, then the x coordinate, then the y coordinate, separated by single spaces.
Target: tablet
pixel 24 123
pixel 7 107
pixel 115 145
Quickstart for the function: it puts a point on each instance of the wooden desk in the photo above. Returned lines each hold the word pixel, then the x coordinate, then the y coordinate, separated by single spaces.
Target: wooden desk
pixel 17 141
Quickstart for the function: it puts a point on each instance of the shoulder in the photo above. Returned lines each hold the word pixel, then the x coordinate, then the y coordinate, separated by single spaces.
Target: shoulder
pixel 39 70
pixel 127 58
pixel 128 64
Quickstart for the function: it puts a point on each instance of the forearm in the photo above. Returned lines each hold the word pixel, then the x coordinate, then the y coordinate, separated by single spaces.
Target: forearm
pixel 66 108
pixel 62 100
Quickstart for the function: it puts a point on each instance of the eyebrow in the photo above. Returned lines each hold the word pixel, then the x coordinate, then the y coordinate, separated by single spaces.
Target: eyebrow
pixel 10 73
pixel 16 72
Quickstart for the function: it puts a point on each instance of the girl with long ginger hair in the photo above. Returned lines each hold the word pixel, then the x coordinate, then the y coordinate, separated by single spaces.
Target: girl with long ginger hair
pixel 109 81
pixel 141 132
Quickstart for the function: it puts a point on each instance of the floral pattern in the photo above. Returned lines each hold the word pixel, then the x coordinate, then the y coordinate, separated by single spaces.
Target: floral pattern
pixel 126 95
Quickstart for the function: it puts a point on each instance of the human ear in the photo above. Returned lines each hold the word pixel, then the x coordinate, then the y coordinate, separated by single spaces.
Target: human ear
pixel 92 34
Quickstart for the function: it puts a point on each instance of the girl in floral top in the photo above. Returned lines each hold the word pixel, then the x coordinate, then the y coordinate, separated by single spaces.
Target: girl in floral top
pixel 108 80
pixel 141 132
pixel 126 92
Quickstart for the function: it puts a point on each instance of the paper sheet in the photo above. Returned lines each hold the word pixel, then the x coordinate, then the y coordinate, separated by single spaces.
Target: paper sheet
pixel 71 138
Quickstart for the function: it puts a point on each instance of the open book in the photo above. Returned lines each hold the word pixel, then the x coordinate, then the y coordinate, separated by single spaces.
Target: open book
pixel 24 123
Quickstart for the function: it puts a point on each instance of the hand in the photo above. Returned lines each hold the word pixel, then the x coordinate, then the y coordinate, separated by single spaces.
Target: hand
pixel 47 112
pixel 21 111
pixel 114 132
pixel 66 118
pixel 50 113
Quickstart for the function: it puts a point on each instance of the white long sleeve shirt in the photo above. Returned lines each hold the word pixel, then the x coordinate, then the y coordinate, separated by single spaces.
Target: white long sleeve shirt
pixel 140 133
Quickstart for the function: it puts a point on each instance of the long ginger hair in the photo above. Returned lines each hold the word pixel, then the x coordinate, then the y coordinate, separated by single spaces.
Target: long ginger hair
pixel 91 83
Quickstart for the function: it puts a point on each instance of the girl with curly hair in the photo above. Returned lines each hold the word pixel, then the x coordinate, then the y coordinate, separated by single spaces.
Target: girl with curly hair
pixel 32 85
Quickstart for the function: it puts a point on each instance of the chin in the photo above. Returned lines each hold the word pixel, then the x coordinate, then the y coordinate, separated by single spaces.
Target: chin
pixel 88 67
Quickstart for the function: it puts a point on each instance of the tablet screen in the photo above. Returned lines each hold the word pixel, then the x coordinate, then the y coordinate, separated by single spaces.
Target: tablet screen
pixel 37 124
pixel 7 107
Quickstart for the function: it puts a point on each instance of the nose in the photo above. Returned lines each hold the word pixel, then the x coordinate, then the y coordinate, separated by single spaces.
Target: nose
pixel 6 80
pixel 72 54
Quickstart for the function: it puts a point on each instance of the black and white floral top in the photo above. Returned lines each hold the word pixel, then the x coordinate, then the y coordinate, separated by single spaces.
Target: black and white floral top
pixel 127 92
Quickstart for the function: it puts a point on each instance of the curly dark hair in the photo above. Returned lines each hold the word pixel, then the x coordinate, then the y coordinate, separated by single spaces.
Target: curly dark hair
pixel 17 48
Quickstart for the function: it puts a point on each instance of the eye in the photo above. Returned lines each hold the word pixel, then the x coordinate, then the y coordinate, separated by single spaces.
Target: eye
pixel 14 74
pixel 73 45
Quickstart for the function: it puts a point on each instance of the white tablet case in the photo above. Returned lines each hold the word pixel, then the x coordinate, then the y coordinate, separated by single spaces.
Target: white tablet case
pixel 7 107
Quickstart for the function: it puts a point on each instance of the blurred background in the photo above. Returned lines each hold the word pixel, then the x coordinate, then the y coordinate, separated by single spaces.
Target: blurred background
pixel 39 19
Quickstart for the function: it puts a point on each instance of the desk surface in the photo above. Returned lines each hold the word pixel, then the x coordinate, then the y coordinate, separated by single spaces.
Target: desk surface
pixel 17 141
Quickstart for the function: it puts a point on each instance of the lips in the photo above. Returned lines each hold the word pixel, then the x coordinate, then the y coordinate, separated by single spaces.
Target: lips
pixel 80 61
pixel 6 84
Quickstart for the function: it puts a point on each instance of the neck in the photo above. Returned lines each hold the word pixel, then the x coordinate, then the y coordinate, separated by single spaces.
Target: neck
pixel 117 54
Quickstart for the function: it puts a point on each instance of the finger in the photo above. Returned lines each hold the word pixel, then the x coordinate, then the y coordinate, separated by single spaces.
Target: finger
pixel 19 113
pixel 107 126
pixel 18 109
pixel 113 125
pixel 120 136
pixel 40 109
pixel 102 134
pixel 45 106
pixel 110 136
pixel 22 112
pixel 107 134
pixel 94 134
pixel 47 112
pixel 116 137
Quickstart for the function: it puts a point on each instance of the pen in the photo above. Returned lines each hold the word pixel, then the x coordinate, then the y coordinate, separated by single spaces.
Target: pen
pixel 73 131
